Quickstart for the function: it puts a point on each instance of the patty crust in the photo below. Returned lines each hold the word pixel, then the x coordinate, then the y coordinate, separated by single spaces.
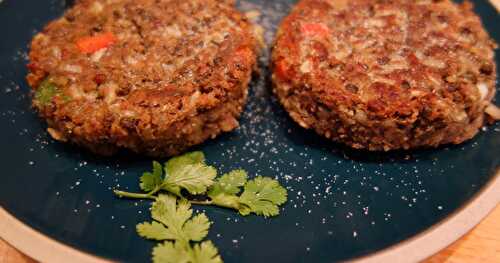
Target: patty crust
pixel 151 76
pixel 384 75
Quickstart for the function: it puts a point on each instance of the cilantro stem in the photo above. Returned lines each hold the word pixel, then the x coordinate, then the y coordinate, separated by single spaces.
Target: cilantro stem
pixel 151 195
pixel 212 202
pixel 206 202
pixel 134 195
pixel 230 205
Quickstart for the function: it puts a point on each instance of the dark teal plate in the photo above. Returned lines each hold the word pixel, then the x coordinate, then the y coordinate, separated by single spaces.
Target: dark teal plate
pixel 343 204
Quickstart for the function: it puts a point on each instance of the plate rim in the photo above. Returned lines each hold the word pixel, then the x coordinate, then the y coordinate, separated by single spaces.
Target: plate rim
pixel 414 249
pixel 445 232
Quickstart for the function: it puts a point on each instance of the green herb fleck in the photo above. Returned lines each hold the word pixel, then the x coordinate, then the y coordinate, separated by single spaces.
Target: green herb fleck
pixel 46 91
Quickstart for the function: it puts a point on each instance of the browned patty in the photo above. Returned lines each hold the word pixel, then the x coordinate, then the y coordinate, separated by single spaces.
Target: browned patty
pixel 175 73
pixel 385 75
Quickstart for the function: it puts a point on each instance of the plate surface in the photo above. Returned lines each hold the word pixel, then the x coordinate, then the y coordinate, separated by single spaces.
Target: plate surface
pixel 343 204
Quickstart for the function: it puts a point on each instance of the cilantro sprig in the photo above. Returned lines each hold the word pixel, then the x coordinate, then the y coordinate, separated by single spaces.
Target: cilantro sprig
pixel 180 231
pixel 188 175
pixel 182 181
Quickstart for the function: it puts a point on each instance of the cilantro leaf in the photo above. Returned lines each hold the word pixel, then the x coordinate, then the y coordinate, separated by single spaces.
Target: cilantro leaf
pixel 150 181
pixel 229 183
pixel 176 216
pixel 178 226
pixel 166 211
pixel 186 159
pixel 223 191
pixel 196 229
pixel 206 252
pixel 195 178
pixel 170 252
pixel 154 231
pixel 190 172
pixel 262 196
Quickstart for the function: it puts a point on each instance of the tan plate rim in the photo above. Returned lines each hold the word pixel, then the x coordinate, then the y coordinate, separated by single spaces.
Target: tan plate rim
pixel 417 248
pixel 443 233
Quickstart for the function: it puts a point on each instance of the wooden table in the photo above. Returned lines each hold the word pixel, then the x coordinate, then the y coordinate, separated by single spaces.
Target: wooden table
pixel 481 245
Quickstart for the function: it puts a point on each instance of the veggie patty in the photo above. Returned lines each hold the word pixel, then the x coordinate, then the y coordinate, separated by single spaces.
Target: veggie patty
pixel 151 76
pixel 384 75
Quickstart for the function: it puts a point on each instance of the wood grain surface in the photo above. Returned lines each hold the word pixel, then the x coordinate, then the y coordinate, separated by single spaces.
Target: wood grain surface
pixel 480 245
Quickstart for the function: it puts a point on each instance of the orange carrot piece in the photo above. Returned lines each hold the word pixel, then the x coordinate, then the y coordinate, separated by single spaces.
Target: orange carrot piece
pixel 96 42
pixel 315 29
pixel 282 70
